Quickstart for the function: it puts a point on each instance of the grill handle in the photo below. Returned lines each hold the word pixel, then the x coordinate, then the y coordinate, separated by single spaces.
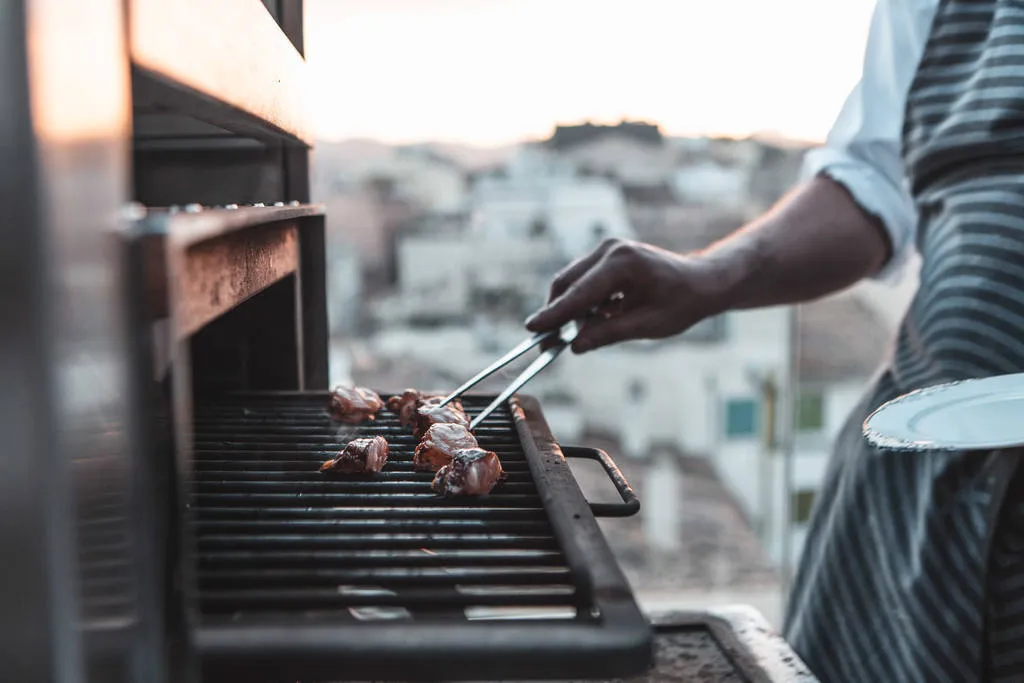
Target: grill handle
pixel 630 504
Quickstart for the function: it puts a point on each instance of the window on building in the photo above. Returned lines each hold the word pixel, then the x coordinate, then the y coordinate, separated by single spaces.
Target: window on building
pixel 740 418
pixel 801 505
pixel 810 412
pixel 637 391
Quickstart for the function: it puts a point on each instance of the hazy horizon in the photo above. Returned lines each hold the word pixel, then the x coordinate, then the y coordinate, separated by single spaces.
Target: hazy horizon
pixel 497 72
pixel 766 135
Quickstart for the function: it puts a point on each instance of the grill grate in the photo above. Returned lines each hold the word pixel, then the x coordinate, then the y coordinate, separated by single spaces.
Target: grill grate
pixel 274 535
pixel 105 552
pixel 302 576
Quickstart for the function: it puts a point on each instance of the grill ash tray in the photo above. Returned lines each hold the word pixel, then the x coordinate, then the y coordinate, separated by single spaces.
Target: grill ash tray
pixel 307 577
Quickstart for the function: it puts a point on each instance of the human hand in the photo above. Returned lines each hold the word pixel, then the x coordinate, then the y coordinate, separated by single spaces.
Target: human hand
pixel 628 290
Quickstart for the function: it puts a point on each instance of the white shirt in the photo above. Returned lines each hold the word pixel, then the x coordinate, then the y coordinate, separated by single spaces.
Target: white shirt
pixel 862 151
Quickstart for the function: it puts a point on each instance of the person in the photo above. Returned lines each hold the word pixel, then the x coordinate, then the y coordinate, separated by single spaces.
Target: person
pixel 913 568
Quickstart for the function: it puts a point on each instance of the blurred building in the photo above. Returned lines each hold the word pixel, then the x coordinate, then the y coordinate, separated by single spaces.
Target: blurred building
pixel 630 152
pixel 709 408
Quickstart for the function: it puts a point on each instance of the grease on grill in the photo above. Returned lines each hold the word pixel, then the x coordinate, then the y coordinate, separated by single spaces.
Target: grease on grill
pixel 275 537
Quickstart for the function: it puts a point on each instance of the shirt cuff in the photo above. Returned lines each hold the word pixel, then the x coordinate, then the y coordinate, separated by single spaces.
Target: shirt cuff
pixel 876 194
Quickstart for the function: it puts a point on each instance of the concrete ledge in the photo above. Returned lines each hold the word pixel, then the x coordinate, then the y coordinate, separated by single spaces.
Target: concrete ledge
pixel 724 644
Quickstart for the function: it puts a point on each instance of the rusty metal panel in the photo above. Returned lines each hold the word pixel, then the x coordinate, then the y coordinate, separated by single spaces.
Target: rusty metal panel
pixel 196 225
pixel 215 276
pixel 160 231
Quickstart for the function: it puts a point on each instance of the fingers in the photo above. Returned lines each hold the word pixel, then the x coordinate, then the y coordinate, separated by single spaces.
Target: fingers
pixel 591 289
pixel 553 340
pixel 572 272
pixel 598 332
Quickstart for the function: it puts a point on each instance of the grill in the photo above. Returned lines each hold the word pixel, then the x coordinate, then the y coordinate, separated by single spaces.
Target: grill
pixel 302 575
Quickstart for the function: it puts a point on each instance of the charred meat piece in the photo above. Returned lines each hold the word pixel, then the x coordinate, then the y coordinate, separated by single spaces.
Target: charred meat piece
pixel 360 456
pixel 472 472
pixel 439 444
pixel 353 405
pixel 405 404
pixel 430 413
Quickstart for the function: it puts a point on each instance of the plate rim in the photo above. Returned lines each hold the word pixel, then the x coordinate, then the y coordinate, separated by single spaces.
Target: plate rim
pixel 887 442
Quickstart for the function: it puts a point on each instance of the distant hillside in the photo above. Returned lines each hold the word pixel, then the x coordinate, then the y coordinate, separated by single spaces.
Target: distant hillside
pixel 362 150
pixel 471 157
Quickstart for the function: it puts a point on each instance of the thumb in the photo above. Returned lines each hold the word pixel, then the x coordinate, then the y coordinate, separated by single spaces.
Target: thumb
pixel 598 332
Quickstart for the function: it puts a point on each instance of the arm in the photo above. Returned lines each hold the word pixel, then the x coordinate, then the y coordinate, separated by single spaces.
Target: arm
pixel 816 241
pixel 851 219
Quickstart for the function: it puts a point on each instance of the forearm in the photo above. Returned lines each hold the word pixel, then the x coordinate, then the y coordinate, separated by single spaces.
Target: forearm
pixel 814 242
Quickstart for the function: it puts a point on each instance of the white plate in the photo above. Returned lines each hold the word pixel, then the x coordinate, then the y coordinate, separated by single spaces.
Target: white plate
pixel 978 414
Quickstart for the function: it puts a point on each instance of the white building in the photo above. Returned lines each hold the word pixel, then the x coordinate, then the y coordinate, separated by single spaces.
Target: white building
pixel 624 158
pixel 445 278
pixel 711 182
pixel 344 288
pixel 525 222
pixel 540 192
pixel 842 344
pixel 433 182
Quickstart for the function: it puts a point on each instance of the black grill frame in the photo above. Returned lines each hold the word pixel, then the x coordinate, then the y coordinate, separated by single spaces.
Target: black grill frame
pixel 609 637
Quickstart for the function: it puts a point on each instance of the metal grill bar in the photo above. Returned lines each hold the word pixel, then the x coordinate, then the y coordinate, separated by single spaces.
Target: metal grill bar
pixel 426 598
pixel 362 542
pixel 347 516
pixel 378 558
pixel 418 577
pixel 305 576
pixel 274 534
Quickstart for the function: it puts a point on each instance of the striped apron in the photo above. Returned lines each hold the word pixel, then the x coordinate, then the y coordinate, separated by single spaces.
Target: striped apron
pixel 914 563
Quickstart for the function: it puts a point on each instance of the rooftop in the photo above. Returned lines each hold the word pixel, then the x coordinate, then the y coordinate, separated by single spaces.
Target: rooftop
pixel 841 337
pixel 566 136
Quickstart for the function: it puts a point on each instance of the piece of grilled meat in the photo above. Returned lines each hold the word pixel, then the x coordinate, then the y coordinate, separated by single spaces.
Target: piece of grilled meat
pixel 472 472
pixel 405 404
pixel 353 405
pixel 361 456
pixel 439 444
pixel 430 413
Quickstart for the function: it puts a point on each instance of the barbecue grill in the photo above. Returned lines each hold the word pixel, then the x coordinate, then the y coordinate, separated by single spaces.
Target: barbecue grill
pixel 364 572
pixel 164 409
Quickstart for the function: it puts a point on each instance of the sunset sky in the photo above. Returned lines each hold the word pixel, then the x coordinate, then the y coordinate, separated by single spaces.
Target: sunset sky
pixel 495 71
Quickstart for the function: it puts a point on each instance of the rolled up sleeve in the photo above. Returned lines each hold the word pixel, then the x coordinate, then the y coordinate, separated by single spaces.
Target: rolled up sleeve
pixel 863 149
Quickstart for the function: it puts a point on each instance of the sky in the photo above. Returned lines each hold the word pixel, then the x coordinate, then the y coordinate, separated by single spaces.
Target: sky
pixel 491 72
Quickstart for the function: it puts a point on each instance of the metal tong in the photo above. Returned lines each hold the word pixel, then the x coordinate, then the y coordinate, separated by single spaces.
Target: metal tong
pixel 560 338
